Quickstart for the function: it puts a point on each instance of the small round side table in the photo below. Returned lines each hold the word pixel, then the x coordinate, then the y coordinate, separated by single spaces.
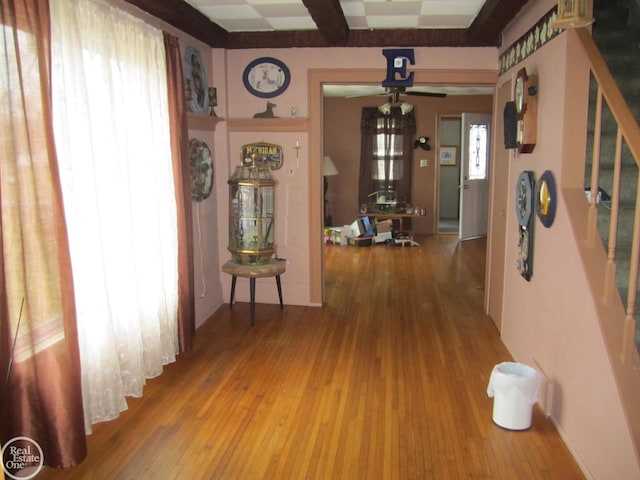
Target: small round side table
pixel 274 268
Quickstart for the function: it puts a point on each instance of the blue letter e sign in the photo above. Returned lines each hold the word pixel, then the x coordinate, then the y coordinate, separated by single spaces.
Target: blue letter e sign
pixel 397 67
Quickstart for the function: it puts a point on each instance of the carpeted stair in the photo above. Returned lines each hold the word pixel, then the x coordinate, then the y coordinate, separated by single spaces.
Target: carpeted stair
pixel 617 35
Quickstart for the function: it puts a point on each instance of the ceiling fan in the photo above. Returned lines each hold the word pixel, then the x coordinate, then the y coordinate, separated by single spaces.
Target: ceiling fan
pixel 394 94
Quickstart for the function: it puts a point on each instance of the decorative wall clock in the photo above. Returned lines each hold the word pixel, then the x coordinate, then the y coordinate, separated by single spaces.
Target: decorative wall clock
pixel 546 198
pixel 195 78
pixel 201 170
pixel 266 77
pixel 525 95
pixel 524 211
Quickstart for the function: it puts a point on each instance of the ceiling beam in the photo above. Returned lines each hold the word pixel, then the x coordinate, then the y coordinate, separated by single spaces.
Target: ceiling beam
pixel 329 19
pixel 492 19
pixel 357 38
pixel 333 29
pixel 186 18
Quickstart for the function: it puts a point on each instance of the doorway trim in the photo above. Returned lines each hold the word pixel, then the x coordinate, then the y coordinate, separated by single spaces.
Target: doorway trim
pixel 316 78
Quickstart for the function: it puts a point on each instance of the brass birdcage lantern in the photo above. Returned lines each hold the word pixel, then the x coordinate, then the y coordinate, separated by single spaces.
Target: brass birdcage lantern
pixel 252 203
pixel 574 14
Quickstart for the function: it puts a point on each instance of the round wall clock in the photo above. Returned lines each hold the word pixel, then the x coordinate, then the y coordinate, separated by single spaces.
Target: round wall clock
pixel 201 170
pixel 524 198
pixel 525 96
pixel 546 197
pixel 524 212
pixel 266 77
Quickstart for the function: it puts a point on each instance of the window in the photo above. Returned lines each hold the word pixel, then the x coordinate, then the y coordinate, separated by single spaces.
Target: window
pixel 386 152
pixel 477 152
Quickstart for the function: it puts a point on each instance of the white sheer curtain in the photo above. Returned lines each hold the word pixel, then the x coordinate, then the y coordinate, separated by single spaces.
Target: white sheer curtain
pixel 112 136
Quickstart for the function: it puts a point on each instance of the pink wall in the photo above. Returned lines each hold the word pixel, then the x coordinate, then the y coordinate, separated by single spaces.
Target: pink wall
pixel 550 322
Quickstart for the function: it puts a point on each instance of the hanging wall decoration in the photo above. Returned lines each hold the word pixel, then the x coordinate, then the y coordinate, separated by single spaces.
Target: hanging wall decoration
pixel 546 198
pixel 267 154
pixel 201 170
pixel 524 211
pixel 195 82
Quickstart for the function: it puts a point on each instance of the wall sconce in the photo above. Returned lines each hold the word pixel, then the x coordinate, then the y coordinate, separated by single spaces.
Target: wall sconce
pixel 422 142
pixel 574 14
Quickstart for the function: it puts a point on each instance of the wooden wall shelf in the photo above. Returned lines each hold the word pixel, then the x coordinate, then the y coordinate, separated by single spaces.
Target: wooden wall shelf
pixel 198 121
pixel 268 124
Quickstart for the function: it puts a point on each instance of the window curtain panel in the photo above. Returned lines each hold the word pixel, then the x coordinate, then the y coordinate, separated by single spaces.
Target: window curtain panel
pixel 41 397
pixel 182 182
pixel 393 124
pixel 112 132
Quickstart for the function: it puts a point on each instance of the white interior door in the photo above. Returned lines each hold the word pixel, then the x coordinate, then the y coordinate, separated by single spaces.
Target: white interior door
pixel 474 174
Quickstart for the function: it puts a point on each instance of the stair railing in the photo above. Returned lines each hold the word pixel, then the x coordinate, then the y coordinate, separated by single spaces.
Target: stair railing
pixel 629 132
pixel 625 357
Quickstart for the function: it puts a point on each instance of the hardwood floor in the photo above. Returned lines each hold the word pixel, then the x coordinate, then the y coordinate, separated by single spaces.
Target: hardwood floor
pixel 387 381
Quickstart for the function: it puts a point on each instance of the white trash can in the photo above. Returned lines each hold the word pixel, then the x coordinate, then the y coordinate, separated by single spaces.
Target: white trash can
pixel 514 388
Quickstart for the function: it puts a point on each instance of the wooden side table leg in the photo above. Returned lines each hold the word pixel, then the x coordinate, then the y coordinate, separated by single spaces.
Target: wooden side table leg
pixel 233 290
pixel 279 285
pixel 252 287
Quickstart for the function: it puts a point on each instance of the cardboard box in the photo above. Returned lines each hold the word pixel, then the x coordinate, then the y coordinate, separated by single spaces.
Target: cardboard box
pixel 383 237
pixel 384 226
pixel 339 235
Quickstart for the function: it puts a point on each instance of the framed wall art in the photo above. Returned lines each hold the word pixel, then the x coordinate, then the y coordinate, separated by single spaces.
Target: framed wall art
pixel 268 154
pixel 448 156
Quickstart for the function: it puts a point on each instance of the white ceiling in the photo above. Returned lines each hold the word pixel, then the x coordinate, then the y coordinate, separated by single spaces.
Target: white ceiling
pixel 272 15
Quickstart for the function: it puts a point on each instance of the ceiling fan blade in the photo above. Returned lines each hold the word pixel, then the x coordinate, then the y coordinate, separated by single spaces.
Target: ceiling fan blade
pixel 426 94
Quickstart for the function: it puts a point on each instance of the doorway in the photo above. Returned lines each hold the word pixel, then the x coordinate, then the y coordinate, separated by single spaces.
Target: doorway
pixel 450 140
pixel 463 166
pixel 484 79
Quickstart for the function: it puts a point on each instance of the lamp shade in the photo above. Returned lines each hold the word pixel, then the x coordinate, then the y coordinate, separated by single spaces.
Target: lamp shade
pixel 328 167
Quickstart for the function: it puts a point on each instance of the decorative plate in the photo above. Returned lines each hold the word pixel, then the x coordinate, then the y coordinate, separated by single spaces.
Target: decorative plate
pixel 195 77
pixel 546 198
pixel 266 77
pixel 201 170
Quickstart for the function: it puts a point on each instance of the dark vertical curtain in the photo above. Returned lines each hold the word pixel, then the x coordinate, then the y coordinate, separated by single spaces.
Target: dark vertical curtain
pixel 182 181
pixel 42 397
pixel 373 123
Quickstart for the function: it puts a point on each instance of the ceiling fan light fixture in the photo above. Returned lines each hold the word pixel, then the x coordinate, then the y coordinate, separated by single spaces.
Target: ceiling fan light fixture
pixel 385 108
pixel 405 107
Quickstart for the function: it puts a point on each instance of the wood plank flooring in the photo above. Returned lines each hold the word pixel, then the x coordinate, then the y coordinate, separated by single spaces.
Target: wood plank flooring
pixel 386 381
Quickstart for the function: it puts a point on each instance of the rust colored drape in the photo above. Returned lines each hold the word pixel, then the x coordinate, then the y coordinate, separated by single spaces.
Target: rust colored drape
pixel 397 124
pixel 42 399
pixel 182 180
